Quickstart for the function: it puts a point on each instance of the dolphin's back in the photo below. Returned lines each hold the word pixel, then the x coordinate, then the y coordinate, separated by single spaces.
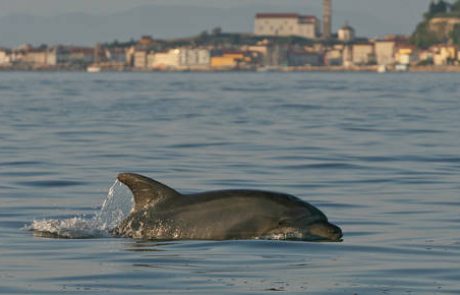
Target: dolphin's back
pixel 162 213
pixel 240 203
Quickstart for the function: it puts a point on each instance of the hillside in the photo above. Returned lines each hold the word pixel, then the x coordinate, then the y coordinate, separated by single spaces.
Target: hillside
pixel 441 25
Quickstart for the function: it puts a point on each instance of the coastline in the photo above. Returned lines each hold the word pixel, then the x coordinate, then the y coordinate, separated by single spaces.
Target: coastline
pixel 325 69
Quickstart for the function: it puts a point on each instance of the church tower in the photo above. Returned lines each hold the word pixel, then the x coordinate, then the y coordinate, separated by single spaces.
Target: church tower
pixel 327 19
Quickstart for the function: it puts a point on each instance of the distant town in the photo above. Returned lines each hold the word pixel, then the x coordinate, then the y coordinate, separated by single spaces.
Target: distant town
pixel 279 42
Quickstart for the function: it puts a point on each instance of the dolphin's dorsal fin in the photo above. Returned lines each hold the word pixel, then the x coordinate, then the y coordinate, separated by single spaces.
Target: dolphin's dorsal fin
pixel 147 192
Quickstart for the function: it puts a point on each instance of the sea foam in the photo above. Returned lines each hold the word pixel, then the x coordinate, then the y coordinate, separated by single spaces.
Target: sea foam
pixel 115 208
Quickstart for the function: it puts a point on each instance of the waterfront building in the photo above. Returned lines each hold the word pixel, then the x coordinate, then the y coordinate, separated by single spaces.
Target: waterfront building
pixel 115 55
pixel 347 55
pixel 166 60
pixel 75 55
pixel 194 58
pixel 151 59
pixel 346 33
pixel 406 55
pixel 260 49
pixel 228 60
pixel 334 57
pixel 37 57
pixel 52 58
pixel 444 54
pixel 299 58
pixel 363 54
pixel 277 56
pixel 182 59
pixel 425 56
pixel 140 59
pixel 385 52
pixel 286 24
pixel 5 56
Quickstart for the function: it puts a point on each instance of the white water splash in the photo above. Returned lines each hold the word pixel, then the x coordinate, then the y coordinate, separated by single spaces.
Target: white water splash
pixel 116 207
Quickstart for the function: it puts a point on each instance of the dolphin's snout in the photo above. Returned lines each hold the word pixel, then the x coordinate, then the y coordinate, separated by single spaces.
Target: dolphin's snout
pixel 326 231
pixel 335 232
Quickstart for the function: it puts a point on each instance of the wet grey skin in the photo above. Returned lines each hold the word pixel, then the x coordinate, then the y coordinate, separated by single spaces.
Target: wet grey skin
pixel 161 213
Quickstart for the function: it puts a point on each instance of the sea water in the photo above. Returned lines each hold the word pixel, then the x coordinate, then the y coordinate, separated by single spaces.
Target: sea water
pixel 379 154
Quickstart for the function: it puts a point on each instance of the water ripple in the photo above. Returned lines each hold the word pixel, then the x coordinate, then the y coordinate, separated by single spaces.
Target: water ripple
pixel 50 183
pixel 378 153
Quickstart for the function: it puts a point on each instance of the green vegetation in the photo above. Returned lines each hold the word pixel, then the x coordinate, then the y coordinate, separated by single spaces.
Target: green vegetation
pixel 423 37
pixel 436 8
pixel 455 34
pixel 456 6
pixel 443 8
pixel 216 39
pixel 117 43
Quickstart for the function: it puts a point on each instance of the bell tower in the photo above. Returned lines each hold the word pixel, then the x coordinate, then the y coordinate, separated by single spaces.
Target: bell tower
pixel 327 19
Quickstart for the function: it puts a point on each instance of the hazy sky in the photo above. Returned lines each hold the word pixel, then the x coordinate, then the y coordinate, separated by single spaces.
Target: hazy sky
pixel 48 22
pixel 51 7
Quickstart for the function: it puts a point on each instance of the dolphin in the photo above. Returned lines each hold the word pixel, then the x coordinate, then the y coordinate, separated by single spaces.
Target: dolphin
pixel 162 213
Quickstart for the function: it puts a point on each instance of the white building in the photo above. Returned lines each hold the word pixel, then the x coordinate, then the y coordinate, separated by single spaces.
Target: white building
pixel 385 52
pixel 286 24
pixel 334 57
pixel 194 57
pixel 166 60
pixel 182 59
pixel 140 59
pixel 363 54
pixel 5 56
pixel 346 33
pixel 59 55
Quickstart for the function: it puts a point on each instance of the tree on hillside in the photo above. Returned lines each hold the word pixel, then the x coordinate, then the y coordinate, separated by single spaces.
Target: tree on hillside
pixel 456 6
pixel 423 37
pixel 438 7
pixel 455 35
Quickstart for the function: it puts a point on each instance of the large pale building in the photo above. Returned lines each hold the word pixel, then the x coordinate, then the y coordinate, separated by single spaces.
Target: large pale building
pixel 194 57
pixel 385 51
pixel 286 24
pixel 181 59
pixel 5 56
pixel 363 54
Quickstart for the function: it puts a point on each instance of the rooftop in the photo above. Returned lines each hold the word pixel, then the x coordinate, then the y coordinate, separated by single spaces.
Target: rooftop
pixel 286 15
